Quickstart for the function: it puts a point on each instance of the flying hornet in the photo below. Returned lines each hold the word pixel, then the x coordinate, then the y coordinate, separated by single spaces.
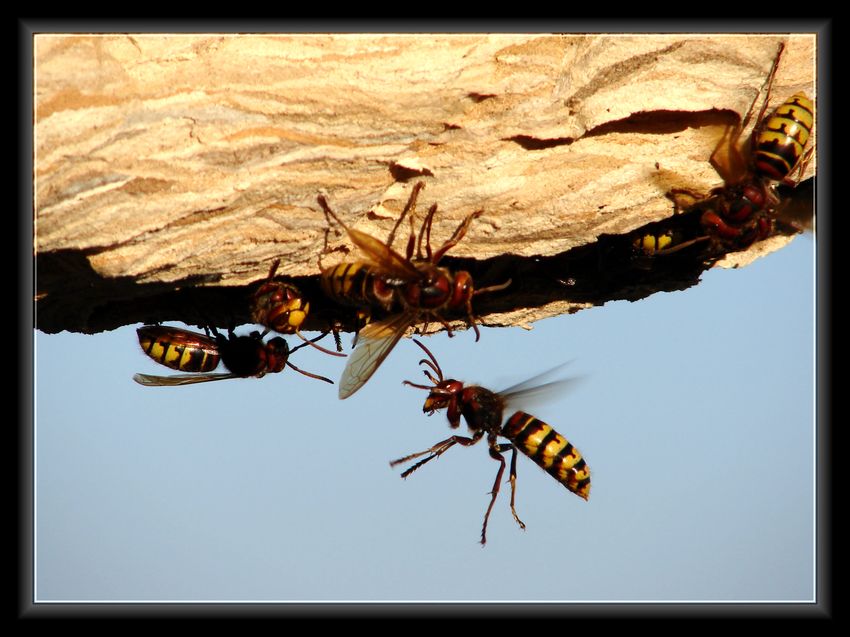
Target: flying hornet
pixel 745 208
pixel 483 411
pixel 183 350
pixel 407 287
pixel 280 306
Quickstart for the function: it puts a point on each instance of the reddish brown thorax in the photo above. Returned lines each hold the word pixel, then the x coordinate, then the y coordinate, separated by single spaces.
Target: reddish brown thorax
pixel 250 356
pixel 438 289
pixel 481 408
pixel 746 201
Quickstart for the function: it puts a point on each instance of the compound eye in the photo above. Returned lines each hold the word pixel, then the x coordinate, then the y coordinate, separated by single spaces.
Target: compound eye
pixel 279 346
pixel 462 290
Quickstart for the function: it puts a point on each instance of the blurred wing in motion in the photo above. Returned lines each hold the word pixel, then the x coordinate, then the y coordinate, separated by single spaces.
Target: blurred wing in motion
pixel 532 391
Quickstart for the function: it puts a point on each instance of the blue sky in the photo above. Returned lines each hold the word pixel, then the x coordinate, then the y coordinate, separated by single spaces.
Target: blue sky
pixel 695 414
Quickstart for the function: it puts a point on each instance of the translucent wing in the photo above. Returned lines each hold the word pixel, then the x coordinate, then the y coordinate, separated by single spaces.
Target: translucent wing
pixel 376 251
pixel 374 342
pixel 382 255
pixel 797 206
pixel 177 379
pixel 727 158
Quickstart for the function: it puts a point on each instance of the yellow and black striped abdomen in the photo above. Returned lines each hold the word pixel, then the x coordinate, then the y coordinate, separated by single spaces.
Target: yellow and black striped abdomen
pixel 355 284
pixel 550 450
pixel 650 243
pixel 179 349
pixel 782 137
